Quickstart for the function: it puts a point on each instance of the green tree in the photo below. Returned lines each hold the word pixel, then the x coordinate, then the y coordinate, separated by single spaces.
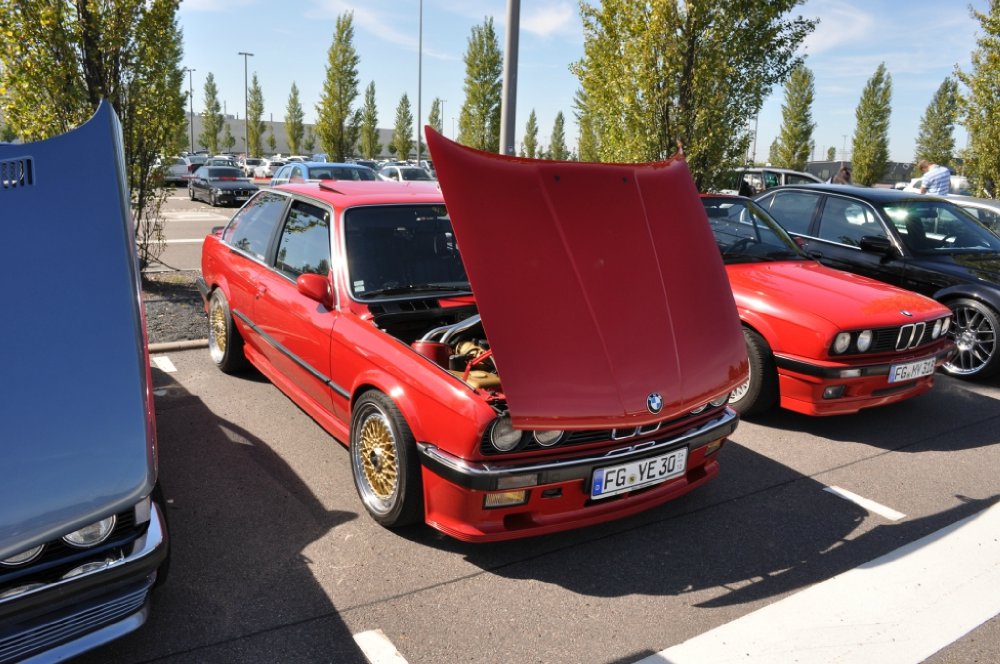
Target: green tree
pixel 67 56
pixel 211 116
pixel 530 146
pixel 271 142
pixel 337 125
pixel 588 142
pixel 795 139
pixel 402 134
pixel 831 153
pixel 773 153
pixel 228 140
pixel 870 156
pixel 936 140
pixel 979 104
pixel 255 118
pixel 309 142
pixel 434 119
pixel 661 72
pixel 294 127
pixel 370 147
pixel 479 118
pixel 557 145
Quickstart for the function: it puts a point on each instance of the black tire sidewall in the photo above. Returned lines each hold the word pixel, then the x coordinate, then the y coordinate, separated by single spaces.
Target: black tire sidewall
pixel 233 358
pixel 762 392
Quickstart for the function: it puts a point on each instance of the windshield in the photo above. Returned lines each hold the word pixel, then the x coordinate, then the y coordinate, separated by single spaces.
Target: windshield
pixel 930 227
pixel 746 234
pixel 341 173
pixel 224 173
pixel 414 174
pixel 401 249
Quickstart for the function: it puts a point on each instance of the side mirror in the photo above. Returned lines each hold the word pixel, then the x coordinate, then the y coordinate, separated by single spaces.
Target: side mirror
pixel 315 287
pixel 876 244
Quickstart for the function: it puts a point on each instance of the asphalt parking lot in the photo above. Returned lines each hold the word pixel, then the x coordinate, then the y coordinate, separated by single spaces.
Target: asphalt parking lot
pixel 274 560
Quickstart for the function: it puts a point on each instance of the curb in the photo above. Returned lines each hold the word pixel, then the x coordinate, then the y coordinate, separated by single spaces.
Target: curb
pixel 167 346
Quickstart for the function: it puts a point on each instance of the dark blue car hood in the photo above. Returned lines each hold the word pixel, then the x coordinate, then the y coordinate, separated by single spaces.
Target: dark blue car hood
pixel 76 427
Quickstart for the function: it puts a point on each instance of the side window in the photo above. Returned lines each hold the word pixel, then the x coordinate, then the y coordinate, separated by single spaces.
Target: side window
pixel 305 241
pixel 251 228
pixel 770 179
pixel 791 178
pixel 794 210
pixel 298 174
pixel 988 218
pixel 846 222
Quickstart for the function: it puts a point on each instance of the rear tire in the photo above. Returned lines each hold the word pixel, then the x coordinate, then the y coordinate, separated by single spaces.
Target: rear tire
pixel 225 344
pixel 976 329
pixel 384 462
pixel 760 392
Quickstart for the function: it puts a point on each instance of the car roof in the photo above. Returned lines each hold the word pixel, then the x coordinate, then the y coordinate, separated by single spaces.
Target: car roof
pixel 348 193
pixel 871 194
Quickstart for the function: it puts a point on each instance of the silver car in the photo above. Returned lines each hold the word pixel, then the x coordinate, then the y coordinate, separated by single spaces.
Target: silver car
pixel 82 529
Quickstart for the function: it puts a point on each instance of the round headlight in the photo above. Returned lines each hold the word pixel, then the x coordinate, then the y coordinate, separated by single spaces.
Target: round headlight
pixel 91 535
pixel 699 409
pixel 503 436
pixel 936 330
pixel 865 340
pixel 841 342
pixel 24 557
pixel 945 325
pixel 547 438
pixel 719 400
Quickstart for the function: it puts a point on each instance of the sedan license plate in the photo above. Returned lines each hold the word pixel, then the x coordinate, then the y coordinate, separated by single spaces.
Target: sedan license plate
pixel 242 198
pixel 613 480
pixel 911 370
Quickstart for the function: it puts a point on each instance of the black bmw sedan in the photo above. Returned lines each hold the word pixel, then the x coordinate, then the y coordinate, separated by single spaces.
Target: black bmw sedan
pixel 922 243
pixel 221 185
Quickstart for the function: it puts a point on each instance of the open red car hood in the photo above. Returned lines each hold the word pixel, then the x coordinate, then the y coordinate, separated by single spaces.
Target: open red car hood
pixel 599 285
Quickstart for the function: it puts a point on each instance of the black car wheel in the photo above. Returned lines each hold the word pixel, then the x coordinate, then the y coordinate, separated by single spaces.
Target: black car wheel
pixel 211 199
pixel 384 462
pixel 760 391
pixel 225 344
pixel 976 328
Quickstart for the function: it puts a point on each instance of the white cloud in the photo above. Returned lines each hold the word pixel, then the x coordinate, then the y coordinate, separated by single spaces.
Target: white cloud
pixel 841 24
pixel 377 23
pixel 215 5
pixel 554 19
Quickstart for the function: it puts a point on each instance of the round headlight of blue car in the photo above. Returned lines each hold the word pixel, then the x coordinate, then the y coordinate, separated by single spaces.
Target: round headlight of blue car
pixel 91 535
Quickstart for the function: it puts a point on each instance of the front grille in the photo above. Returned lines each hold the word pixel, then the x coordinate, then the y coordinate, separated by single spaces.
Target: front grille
pixel 17 173
pixel 889 339
pixel 50 633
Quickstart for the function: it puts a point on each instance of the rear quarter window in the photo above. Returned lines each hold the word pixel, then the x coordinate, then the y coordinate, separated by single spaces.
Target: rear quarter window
pixel 251 229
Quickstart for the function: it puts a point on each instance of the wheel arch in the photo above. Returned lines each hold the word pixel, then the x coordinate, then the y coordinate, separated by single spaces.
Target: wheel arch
pixel 984 294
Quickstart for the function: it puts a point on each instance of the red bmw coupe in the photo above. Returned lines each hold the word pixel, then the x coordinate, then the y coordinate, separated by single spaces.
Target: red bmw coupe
pixel 571 366
pixel 821 341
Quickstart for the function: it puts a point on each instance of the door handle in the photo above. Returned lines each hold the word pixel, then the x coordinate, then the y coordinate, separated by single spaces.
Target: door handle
pixel 261 290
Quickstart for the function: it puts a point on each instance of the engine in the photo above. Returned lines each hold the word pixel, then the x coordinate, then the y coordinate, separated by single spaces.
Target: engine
pixel 463 350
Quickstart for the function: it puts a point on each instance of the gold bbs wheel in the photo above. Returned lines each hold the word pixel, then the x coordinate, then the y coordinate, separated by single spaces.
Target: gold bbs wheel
pixel 225 344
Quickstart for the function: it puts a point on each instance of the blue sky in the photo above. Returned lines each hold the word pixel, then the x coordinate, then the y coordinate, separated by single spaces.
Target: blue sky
pixel 921 42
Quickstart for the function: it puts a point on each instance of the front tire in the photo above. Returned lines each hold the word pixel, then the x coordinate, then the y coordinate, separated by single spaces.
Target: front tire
pixel 760 391
pixel 384 462
pixel 976 329
pixel 225 344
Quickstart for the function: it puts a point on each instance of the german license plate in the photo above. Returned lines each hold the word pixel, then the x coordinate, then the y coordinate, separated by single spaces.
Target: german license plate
pixel 242 198
pixel 613 480
pixel 911 370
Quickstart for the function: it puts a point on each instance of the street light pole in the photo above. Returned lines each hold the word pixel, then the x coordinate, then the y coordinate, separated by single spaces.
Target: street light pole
pixel 441 114
pixel 420 73
pixel 246 104
pixel 508 103
pixel 191 104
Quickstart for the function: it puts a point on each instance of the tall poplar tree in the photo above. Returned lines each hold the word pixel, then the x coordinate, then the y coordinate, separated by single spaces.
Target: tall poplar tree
pixel 557 144
pixel 870 156
pixel 337 124
pixel 211 116
pixel 479 119
pixel 60 58
pixel 402 135
pixel 370 147
pixel 255 118
pixel 530 148
pixel 294 127
pixel 795 138
pixel 434 118
pixel 660 72
pixel 831 153
pixel 936 140
pixel 228 140
pixel 979 105
pixel 588 142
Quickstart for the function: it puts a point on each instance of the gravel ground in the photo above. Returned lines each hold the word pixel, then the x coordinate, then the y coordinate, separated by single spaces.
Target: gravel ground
pixel 174 309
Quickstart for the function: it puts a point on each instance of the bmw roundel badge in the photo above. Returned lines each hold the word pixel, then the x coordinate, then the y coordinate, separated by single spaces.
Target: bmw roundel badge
pixel 654 402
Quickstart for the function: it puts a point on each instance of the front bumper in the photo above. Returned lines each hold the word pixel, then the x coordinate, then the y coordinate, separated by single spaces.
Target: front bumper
pixel 71 616
pixel 558 492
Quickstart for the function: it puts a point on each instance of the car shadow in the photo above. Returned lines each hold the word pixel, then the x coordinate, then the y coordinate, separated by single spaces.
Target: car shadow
pixel 915 425
pixel 240 587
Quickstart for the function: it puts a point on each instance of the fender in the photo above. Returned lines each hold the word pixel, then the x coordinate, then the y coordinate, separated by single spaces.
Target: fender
pixel 988 295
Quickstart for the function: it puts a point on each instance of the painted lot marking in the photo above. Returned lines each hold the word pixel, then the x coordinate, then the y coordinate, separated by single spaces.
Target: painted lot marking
pixel 191 241
pixel 869 505
pixel 377 647
pixel 164 364
pixel 900 608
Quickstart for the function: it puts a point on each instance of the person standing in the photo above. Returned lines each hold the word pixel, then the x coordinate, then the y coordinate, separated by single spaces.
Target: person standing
pixel 936 179
pixel 843 176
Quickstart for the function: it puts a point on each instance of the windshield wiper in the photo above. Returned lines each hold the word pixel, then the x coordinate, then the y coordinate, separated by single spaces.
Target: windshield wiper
pixel 419 288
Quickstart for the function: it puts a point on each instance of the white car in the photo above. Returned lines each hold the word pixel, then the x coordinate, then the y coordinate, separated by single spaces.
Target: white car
pixel 268 168
pixel 404 173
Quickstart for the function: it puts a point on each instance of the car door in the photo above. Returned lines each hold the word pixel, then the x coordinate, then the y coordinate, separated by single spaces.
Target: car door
pixel 199 184
pixel 296 328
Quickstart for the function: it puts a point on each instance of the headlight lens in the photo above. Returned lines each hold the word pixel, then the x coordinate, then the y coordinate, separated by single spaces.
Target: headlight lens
pixel 841 342
pixel 936 331
pixel 719 400
pixel 945 325
pixel 503 436
pixel 24 557
pixel 865 340
pixel 91 535
pixel 699 409
pixel 547 438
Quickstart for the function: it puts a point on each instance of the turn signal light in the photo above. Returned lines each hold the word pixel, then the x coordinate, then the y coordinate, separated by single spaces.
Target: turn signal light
pixel 505 499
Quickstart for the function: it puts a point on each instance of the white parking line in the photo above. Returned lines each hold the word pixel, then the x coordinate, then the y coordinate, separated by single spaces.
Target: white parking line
pixel 900 608
pixel 164 364
pixel 377 647
pixel 193 241
pixel 869 505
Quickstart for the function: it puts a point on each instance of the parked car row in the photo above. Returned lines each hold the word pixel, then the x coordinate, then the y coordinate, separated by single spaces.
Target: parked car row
pixel 220 185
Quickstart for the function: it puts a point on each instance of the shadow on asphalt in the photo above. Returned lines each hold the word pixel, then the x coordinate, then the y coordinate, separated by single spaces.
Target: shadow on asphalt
pixel 233 501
